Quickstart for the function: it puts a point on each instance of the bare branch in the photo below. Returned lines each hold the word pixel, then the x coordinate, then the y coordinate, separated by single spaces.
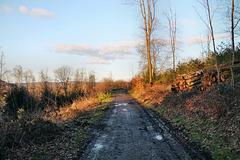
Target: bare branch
pixel 202 18
pixel 236 23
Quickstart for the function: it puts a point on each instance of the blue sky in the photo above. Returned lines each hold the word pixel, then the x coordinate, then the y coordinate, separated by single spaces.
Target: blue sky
pixel 96 35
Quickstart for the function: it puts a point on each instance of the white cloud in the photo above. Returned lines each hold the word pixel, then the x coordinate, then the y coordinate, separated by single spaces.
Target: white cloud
pixel 222 36
pixel 98 62
pixel 37 12
pixel 41 13
pixel 7 8
pixel 101 55
pixel 81 49
pixel 111 56
pixel 123 47
pixel 23 10
pixel 196 40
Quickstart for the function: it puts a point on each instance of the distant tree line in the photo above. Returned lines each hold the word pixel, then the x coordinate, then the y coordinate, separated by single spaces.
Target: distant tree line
pixel 68 86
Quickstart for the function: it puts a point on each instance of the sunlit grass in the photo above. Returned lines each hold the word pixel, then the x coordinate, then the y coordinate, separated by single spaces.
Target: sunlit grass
pixel 78 106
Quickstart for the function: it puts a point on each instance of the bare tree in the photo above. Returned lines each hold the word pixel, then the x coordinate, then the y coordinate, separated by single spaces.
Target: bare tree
pixel 2 66
pixel 206 5
pixel 79 77
pixel 30 80
pixel 158 58
pixel 63 75
pixel 77 81
pixel 18 74
pixel 232 8
pixel 208 44
pixel 90 84
pixel 44 88
pixel 233 27
pixel 172 26
pixel 148 13
pixel 44 76
pixel 28 77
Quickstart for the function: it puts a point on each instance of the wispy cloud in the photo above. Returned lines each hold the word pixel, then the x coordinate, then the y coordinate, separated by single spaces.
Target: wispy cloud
pixel 23 10
pixel 6 8
pixel 198 39
pixel 80 49
pixel 101 55
pixel 37 12
pixel 98 62
pixel 123 47
pixel 222 36
pixel 41 13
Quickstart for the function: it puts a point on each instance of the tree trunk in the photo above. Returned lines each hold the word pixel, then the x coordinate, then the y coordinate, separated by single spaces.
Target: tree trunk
pixel 148 14
pixel 213 40
pixel 149 61
pixel 233 45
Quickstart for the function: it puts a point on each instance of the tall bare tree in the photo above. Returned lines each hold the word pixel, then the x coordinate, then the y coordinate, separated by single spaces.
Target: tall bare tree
pixel 233 19
pixel 28 77
pixel 18 74
pixel 79 78
pixel 2 65
pixel 90 84
pixel 148 13
pixel 158 58
pixel 2 68
pixel 208 44
pixel 233 27
pixel 63 75
pixel 172 26
pixel 206 5
pixel 44 88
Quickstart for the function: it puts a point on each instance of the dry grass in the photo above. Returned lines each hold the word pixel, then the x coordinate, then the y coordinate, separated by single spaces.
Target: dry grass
pixel 71 111
pixel 152 94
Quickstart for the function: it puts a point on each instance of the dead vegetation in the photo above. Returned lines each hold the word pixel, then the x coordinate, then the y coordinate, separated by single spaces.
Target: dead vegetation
pixel 51 131
pixel 52 134
pixel 208 118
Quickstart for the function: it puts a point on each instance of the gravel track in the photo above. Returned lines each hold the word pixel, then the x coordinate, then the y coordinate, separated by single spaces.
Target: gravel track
pixel 133 132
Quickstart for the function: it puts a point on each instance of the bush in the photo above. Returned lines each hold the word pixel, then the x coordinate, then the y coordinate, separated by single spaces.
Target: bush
pixel 19 98
pixel 19 133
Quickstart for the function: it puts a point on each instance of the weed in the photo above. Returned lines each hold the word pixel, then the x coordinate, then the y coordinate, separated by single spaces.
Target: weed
pixel 98 114
pixel 148 103
pixel 80 136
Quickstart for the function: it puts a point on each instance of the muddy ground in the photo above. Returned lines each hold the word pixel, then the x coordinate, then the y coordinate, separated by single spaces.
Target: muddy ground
pixel 131 131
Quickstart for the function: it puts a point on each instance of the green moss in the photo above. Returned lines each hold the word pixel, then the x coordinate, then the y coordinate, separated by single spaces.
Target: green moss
pixel 98 114
pixel 35 158
pixel 80 136
pixel 148 102
pixel 105 97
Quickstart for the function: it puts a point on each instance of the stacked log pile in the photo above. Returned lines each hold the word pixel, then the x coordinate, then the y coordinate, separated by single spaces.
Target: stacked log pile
pixel 203 79
pixel 187 82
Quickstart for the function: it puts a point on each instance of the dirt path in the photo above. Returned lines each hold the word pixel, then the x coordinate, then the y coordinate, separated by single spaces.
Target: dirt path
pixel 132 132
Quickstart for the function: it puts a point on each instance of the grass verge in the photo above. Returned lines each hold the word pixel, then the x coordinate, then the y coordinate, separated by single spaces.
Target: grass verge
pixel 209 119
